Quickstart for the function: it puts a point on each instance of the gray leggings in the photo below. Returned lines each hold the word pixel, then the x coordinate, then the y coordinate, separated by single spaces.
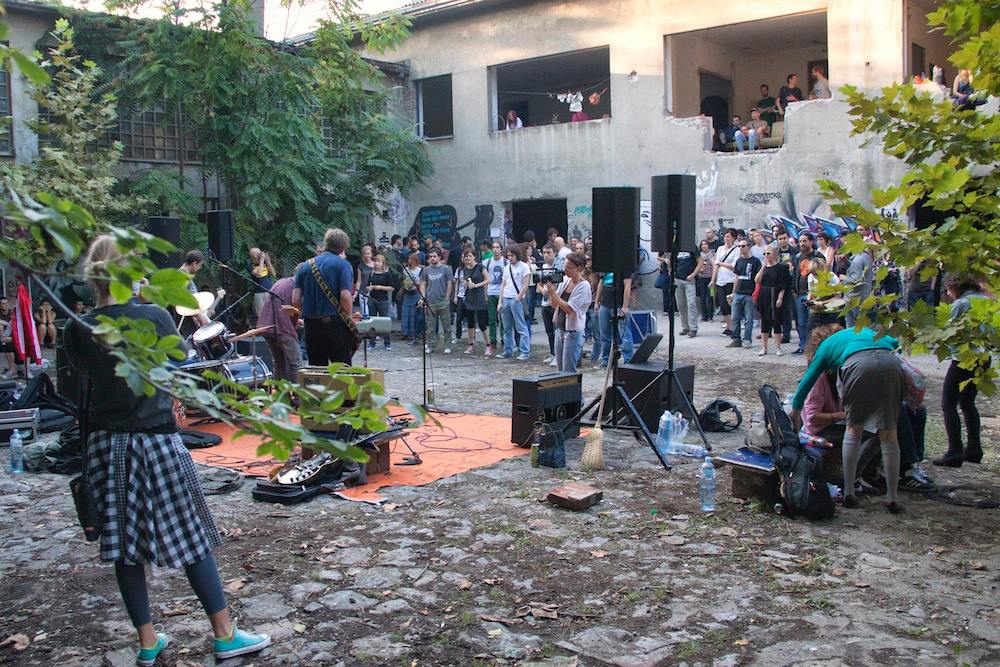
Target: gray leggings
pixel 203 577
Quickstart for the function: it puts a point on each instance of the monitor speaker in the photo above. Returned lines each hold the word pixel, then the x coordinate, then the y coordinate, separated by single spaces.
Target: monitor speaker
pixel 168 229
pixel 616 229
pixel 651 400
pixel 673 213
pixel 552 398
pixel 221 234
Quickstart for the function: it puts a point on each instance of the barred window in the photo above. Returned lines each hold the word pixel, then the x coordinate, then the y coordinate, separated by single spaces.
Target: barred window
pixel 151 135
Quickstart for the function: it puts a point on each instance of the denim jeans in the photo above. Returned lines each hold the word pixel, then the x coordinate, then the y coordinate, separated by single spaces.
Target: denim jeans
pixel 743 311
pixel 802 320
pixel 623 336
pixel 742 141
pixel 568 349
pixel 512 317
pixel 687 304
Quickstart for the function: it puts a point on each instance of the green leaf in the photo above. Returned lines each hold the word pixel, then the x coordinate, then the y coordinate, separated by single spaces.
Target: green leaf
pixel 29 68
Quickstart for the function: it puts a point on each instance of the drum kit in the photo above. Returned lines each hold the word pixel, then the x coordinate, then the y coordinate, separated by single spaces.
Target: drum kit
pixel 213 348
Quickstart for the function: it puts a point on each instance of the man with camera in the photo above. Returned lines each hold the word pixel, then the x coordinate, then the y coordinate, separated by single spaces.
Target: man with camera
pixel 548 274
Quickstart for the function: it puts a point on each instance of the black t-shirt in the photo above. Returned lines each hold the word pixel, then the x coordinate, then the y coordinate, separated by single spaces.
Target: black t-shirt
pixel 746 271
pixel 775 276
pixel 687 262
pixel 715 245
pixel 801 266
pixel 785 92
pixel 113 406
pixel 475 297
pixel 382 279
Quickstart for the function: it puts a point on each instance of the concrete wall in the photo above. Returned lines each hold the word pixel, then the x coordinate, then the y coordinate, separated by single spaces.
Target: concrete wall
pixel 25 31
pixel 478 173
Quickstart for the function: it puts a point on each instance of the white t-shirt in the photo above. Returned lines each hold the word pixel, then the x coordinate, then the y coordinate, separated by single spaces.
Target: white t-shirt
pixel 512 285
pixel 726 276
pixel 579 300
pixel 494 269
pixel 560 260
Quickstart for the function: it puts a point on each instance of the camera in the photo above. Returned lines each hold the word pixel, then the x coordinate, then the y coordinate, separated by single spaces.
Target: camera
pixel 554 276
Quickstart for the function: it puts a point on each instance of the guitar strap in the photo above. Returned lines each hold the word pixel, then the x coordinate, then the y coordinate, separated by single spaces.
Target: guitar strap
pixel 347 319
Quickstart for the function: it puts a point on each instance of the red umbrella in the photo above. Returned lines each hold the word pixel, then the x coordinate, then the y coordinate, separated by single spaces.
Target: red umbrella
pixel 23 330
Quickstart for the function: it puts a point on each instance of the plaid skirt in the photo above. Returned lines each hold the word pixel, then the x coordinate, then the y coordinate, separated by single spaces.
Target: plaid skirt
pixel 150 500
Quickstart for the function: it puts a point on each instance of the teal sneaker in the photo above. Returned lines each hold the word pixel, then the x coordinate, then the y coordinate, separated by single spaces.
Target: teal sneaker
pixel 240 643
pixel 146 657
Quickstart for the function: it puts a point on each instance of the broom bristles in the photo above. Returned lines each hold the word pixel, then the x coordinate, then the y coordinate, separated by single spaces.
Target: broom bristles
pixel 593 450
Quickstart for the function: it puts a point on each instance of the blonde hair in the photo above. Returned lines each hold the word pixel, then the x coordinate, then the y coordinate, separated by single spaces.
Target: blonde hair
pixel 102 253
pixel 381 258
pixel 818 265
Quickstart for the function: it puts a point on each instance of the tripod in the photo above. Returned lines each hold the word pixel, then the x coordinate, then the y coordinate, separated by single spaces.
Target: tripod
pixel 622 414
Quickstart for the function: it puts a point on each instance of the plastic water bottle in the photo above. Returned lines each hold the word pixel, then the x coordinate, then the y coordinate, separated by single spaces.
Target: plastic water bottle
pixel 16 453
pixel 665 431
pixel 706 488
pixel 675 448
pixel 787 405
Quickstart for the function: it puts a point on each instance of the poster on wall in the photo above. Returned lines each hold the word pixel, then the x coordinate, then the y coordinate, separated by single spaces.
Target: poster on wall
pixel 647 258
pixel 438 222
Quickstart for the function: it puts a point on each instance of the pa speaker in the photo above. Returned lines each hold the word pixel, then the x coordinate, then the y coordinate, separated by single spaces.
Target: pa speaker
pixel 220 234
pixel 651 397
pixel 168 229
pixel 673 212
pixel 616 230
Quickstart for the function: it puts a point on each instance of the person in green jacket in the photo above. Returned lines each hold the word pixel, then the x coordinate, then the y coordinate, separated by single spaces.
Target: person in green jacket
pixel 869 380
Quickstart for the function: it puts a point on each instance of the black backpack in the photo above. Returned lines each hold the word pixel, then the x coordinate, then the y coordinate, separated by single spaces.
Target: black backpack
pixel 715 420
pixel 800 468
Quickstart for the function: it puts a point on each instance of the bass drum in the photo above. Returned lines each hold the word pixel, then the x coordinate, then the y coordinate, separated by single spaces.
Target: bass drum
pixel 247 371
pixel 210 341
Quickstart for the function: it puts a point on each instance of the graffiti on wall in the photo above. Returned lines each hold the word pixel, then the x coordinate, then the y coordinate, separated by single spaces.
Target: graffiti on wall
pixel 797 217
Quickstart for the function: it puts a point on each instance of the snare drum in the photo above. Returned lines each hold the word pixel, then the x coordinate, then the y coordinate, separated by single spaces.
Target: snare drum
pixel 210 341
pixel 247 371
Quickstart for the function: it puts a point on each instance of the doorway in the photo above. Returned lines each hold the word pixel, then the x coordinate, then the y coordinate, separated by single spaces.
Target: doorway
pixel 538 215
pixel 716 97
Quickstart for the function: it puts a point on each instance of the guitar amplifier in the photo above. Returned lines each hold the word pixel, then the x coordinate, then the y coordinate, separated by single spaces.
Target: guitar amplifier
pixel 662 395
pixel 551 398
pixel 255 346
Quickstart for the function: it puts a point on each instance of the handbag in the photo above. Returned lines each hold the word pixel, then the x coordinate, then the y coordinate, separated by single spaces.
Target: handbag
pixel 661 280
pixel 552 448
pixel 79 487
pixel 346 317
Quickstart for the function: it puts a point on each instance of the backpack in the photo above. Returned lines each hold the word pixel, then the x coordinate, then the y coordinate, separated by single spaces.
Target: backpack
pixel 800 468
pixel 714 420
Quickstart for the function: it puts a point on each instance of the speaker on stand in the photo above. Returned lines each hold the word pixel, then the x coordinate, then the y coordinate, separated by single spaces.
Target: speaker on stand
pixel 168 229
pixel 221 234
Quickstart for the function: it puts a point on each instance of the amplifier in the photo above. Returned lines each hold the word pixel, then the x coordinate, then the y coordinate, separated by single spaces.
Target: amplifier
pixel 662 395
pixel 255 346
pixel 551 398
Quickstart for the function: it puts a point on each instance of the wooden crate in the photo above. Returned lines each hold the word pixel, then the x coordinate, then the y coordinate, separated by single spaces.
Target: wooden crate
pixel 751 483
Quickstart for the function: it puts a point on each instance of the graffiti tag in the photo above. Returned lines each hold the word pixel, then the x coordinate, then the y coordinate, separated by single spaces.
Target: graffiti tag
pixel 759 197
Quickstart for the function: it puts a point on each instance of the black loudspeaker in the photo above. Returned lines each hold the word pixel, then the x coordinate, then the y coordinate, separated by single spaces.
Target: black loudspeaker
pixel 673 213
pixel 256 345
pixel 168 229
pixel 652 402
pixel 551 398
pixel 67 379
pixel 616 230
pixel 220 234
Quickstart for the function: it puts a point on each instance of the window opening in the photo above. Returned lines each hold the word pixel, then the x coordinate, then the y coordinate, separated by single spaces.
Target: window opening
pixel 434 107
pixel 562 88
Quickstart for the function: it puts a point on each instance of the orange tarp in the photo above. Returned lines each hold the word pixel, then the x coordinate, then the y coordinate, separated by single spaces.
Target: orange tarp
pixel 459 442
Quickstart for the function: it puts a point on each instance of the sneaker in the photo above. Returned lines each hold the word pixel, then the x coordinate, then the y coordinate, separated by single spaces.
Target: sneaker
pixel 447 350
pixel 523 357
pixel 146 657
pixel 797 351
pixel 693 334
pixel 388 347
pixel 726 332
pixel 736 342
pixel 914 481
pixel 413 342
pixel 549 359
pixel 778 352
pixel 684 332
pixel 554 363
pixel 240 643
pixel 470 349
pixel 489 350
pixel 763 352
pixel 504 355
pixel 428 349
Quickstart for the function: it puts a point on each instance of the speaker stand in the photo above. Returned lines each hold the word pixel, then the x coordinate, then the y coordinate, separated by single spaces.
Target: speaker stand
pixel 623 416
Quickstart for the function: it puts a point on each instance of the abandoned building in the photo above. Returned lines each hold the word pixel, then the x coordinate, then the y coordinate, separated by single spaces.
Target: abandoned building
pixel 612 92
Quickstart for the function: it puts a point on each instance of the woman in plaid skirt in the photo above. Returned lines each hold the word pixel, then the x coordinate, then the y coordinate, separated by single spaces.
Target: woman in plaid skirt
pixel 144 482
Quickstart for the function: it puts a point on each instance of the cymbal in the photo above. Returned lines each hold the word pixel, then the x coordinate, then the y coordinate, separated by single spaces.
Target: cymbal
pixel 250 333
pixel 205 301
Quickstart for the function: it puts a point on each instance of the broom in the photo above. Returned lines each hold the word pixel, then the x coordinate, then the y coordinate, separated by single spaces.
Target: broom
pixel 593 449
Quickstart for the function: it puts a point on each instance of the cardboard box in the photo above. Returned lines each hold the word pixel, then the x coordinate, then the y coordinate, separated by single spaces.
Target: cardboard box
pixel 318 375
pixel 378 458
pixel 26 421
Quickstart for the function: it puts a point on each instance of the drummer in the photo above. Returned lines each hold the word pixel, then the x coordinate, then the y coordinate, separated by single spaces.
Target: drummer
pixel 193 261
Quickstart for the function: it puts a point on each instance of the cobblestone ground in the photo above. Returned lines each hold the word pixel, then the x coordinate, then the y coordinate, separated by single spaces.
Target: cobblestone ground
pixel 476 570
